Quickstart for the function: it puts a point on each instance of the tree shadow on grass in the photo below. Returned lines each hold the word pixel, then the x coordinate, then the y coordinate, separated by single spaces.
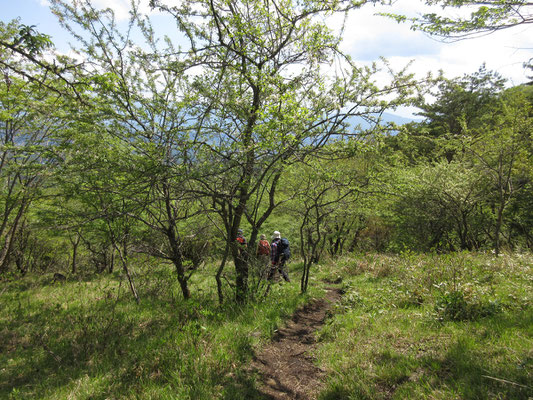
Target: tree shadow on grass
pixel 109 348
pixel 243 385
pixel 465 368
pixel 46 349
pixel 462 369
pixel 52 348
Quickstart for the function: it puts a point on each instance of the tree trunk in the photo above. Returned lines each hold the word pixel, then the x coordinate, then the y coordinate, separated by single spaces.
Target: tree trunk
pixel 241 278
pixel 219 275
pixel 180 271
pixel 497 230
pixel 128 274
pixel 177 260
pixel 75 244
pixel 111 265
pixel 305 276
pixel 10 237
pixel 182 279
pixel 124 261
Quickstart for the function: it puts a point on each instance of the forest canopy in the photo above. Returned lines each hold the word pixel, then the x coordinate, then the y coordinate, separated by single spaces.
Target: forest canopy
pixel 140 147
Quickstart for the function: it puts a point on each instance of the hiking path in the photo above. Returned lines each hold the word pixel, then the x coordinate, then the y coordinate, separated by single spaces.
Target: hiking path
pixel 287 364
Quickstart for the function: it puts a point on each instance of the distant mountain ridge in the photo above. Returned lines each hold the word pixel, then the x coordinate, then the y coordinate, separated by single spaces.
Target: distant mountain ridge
pixel 388 117
pixel 385 117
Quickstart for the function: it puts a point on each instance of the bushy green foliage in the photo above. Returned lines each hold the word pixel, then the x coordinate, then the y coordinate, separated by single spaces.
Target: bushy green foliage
pixel 453 306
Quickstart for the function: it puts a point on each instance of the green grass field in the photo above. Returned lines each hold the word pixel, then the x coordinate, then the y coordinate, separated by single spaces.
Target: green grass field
pixel 88 339
pixel 410 326
pixel 432 327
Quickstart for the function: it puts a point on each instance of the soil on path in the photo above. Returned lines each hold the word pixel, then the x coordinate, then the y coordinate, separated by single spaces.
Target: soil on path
pixel 286 365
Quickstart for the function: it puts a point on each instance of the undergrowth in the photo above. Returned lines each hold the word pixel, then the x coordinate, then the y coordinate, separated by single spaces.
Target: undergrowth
pixel 87 339
pixel 455 326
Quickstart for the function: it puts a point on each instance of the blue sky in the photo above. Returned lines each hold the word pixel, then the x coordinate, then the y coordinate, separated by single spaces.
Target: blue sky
pixel 366 37
pixel 33 12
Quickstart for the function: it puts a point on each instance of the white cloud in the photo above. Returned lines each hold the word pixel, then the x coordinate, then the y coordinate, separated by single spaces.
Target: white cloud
pixel 121 8
pixel 368 36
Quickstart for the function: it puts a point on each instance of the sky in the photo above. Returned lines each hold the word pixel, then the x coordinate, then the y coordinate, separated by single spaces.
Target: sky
pixel 367 36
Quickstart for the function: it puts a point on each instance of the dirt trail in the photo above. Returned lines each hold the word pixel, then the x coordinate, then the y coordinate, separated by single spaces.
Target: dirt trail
pixel 286 365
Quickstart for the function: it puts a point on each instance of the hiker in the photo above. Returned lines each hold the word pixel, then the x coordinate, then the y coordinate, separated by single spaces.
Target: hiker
pixel 243 244
pixel 241 239
pixel 279 254
pixel 263 254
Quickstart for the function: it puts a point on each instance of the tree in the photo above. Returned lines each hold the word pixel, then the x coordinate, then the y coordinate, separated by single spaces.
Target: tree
pixel 30 119
pixel 483 133
pixel 92 204
pixel 268 97
pixel 439 206
pixel 140 103
pixel 459 101
pixel 486 16
pixel 501 152
pixel 260 85
pixel 321 193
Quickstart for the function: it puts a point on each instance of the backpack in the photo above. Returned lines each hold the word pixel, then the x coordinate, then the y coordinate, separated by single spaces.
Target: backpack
pixel 283 248
pixel 264 247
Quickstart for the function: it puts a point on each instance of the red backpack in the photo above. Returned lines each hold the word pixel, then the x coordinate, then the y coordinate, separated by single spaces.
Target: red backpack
pixel 264 247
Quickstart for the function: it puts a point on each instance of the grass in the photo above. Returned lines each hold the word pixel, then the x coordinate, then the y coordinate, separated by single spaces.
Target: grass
pixel 431 327
pixel 87 339
pixel 457 326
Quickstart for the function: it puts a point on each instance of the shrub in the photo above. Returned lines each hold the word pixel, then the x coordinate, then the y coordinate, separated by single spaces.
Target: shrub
pixel 454 306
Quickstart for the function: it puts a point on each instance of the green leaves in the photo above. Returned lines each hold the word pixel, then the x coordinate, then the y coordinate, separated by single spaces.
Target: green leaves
pixel 485 16
pixel 31 41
